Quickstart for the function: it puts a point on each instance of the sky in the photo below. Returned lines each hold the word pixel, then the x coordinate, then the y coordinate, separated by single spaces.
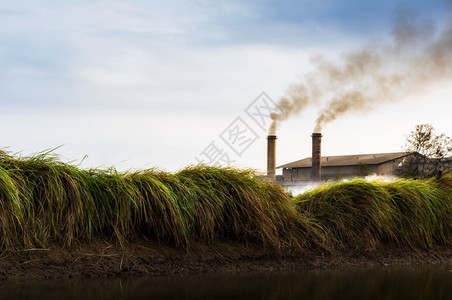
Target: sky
pixel 140 84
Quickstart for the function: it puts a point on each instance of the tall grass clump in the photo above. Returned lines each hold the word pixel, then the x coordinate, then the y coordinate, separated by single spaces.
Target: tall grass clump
pixel 238 206
pixel 423 211
pixel 368 215
pixel 44 200
pixel 350 214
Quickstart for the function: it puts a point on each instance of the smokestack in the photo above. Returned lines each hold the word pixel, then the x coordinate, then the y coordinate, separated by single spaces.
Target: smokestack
pixel 271 157
pixel 316 173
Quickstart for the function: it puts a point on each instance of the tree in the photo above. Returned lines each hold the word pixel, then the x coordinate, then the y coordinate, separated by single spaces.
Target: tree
pixel 431 152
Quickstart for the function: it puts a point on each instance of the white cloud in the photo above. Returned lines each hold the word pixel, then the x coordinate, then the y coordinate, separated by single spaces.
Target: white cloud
pixel 147 74
pixel 145 83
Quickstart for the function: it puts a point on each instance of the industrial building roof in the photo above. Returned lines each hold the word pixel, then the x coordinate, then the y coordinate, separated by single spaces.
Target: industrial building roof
pixel 347 160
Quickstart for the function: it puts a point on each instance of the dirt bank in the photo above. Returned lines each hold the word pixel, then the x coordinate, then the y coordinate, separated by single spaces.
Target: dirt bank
pixel 103 259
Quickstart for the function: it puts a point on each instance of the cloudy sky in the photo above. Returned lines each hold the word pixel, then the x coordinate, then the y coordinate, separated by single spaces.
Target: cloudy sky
pixel 139 84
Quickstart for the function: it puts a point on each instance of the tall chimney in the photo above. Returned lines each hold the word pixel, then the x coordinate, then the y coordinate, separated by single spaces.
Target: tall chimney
pixel 316 171
pixel 271 157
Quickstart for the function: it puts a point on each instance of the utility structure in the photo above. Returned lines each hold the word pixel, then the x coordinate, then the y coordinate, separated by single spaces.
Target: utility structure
pixel 316 170
pixel 271 157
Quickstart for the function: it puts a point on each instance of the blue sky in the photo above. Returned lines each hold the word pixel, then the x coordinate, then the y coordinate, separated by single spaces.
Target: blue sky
pixel 151 83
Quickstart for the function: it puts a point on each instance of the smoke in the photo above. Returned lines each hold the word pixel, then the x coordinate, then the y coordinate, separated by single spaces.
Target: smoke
pixel 416 57
pixel 298 97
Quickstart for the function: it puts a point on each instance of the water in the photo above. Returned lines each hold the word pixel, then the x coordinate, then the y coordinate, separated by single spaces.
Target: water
pixel 432 282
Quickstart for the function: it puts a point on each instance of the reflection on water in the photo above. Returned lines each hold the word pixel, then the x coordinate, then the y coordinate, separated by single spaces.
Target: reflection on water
pixel 432 282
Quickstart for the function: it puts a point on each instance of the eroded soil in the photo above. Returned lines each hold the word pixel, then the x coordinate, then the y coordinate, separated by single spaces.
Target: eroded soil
pixel 142 258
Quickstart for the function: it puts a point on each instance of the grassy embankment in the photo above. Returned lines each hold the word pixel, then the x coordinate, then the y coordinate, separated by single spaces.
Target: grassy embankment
pixel 368 215
pixel 43 200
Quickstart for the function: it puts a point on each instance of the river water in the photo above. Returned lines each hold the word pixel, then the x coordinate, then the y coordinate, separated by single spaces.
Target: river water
pixel 421 282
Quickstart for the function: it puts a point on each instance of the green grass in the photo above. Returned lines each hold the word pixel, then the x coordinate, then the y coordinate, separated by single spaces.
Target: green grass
pixel 369 215
pixel 44 201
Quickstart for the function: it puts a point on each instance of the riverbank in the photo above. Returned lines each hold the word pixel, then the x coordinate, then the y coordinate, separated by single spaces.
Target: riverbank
pixel 142 258
pixel 57 220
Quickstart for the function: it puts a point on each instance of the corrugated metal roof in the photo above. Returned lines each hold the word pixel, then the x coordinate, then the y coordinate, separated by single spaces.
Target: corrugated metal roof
pixel 347 160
